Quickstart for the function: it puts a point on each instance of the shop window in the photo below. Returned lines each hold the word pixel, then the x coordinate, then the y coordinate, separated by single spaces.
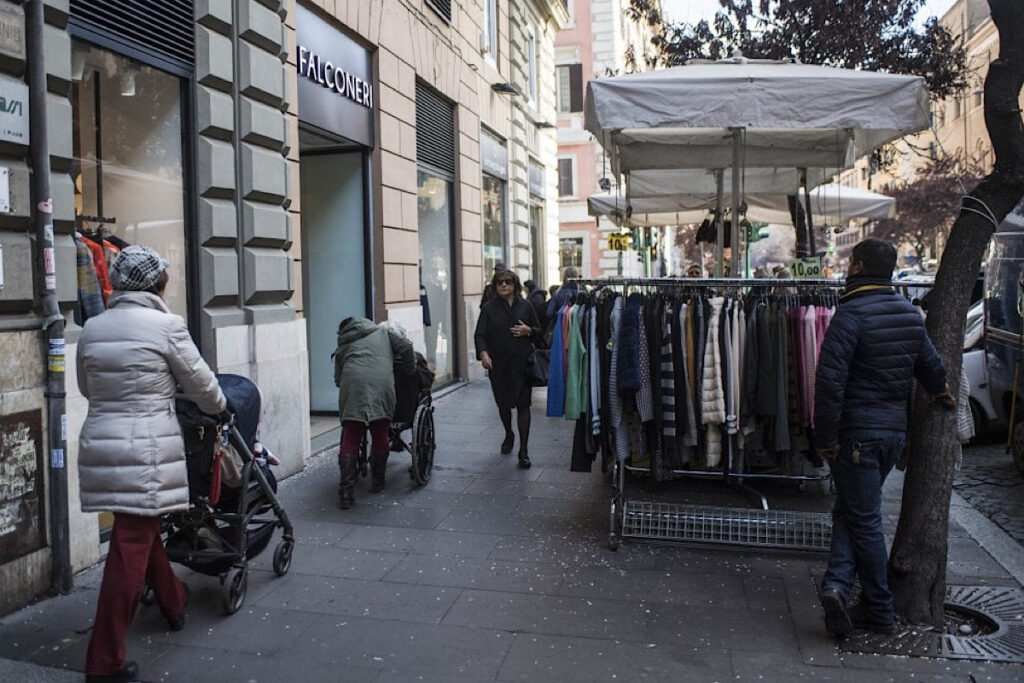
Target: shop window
pixel 566 184
pixel 436 281
pixel 537 234
pixel 127 170
pixel 493 196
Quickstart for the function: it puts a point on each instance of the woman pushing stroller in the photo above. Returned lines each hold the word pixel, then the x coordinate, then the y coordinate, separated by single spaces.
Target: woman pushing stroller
pixel 364 366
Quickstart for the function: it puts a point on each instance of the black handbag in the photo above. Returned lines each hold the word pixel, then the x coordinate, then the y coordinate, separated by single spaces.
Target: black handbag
pixel 537 367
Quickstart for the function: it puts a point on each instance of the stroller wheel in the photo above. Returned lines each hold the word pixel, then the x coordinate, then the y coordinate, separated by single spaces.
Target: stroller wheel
pixel 283 557
pixel 232 589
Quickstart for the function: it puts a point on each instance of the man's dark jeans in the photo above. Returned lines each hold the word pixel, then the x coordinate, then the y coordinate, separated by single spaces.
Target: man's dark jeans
pixel 858 544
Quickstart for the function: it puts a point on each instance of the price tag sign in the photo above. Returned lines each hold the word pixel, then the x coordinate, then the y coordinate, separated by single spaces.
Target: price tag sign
pixel 806 268
pixel 618 242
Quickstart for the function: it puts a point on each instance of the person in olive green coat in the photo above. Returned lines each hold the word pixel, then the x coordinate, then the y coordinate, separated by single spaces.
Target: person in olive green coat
pixel 364 364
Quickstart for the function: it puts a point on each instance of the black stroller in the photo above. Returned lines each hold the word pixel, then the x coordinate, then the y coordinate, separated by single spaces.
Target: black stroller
pixel 227 525
pixel 414 410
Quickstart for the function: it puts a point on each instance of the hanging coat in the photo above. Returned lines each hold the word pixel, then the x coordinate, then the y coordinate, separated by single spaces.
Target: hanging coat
pixel 712 388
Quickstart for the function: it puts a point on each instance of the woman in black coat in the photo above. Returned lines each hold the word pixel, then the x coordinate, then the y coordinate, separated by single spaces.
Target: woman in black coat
pixel 503 337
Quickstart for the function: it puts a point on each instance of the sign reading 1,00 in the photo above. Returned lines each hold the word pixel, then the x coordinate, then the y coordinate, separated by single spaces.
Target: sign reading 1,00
pixel 618 242
pixel 806 267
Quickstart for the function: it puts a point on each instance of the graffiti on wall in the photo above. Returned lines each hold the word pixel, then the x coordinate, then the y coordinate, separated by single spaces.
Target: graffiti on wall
pixel 21 484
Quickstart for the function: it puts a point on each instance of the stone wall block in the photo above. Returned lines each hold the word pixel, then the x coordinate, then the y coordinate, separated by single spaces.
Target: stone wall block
pixel 14 61
pixel 214 14
pixel 62 190
pixel 66 255
pixel 218 276
pixel 55 12
pixel 260 25
pixel 215 113
pixel 215 168
pixel 261 75
pixel 274 5
pixel 57 53
pixel 263 125
pixel 264 225
pixel 264 175
pixel 218 225
pixel 401 246
pixel 267 275
pixel 17 292
pixel 59 129
pixel 214 63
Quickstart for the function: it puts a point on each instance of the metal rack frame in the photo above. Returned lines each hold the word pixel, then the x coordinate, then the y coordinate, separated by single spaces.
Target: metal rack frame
pixel 758 527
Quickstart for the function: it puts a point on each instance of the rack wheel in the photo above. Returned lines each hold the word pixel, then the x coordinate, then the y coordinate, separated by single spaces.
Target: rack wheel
pixel 613 542
pixel 423 444
pixel 233 588
pixel 283 557
pixel 148 595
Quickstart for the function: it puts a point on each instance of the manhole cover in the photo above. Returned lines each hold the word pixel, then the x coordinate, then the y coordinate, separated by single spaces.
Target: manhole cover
pixel 983 623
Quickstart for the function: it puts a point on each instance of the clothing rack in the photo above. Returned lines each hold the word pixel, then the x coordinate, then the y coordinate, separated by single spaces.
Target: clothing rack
pixel 631 517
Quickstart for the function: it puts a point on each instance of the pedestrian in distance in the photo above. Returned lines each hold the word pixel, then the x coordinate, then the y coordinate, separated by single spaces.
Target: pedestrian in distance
pixel 564 293
pixel 538 298
pixel 875 347
pixel 504 334
pixel 364 367
pixel 131 361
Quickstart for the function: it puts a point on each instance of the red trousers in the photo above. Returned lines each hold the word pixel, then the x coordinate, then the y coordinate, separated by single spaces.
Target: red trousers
pixel 136 555
pixel 352 432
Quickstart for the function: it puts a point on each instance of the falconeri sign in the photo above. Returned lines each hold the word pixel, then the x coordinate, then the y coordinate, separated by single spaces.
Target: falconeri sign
pixel 326 73
pixel 335 84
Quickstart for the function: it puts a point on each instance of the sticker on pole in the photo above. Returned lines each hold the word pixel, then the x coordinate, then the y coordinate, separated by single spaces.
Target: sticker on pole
pixel 806 268
pixel 55 359
pixel 57 458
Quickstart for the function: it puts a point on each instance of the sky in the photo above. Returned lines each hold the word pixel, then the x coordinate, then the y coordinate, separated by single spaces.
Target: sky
pixel 695 10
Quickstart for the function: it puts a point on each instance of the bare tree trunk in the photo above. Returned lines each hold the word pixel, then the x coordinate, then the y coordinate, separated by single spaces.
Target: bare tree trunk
pixel 917 567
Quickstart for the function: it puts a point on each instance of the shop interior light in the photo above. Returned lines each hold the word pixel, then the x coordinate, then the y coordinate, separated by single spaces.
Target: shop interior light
pixel 504 88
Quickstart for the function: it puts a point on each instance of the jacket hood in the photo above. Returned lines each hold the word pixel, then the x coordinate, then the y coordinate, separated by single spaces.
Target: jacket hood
pixel 356 329
pixel 124 298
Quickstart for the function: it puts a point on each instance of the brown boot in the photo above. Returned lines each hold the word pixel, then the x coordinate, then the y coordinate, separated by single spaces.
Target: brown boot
pixel 378 468
pixel 347 465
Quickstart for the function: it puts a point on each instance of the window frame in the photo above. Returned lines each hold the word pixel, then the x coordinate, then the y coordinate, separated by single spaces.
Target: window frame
pixel 490 26
pixel 573 181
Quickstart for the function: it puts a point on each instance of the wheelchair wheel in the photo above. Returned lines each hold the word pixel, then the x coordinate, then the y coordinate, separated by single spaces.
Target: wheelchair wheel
pixel 423 444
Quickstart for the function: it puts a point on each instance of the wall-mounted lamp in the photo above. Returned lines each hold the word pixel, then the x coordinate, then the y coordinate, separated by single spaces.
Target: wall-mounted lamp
pixel 128 84
pixel 605 184
pixel 544 124
pixel 504 88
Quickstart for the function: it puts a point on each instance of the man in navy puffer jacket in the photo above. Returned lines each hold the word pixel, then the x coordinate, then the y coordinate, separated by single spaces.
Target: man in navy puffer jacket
pixel 875 347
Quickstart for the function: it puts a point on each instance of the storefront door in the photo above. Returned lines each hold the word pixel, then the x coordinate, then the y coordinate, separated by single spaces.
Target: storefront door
pixel 334 261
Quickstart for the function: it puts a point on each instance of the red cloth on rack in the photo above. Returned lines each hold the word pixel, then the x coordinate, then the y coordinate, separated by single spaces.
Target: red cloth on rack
pixel 99 260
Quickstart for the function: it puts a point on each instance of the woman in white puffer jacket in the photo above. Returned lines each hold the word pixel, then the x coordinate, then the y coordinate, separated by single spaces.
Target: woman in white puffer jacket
pixel 131 460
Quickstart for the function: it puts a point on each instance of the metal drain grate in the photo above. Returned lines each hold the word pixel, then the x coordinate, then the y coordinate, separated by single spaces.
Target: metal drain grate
pixel 733 526
pixel 995 614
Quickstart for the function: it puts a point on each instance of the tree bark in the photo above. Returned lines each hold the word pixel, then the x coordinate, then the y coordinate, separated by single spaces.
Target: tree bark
pixel 917 567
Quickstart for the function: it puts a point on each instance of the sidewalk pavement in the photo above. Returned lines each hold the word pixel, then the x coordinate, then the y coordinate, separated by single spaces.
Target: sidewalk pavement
pixel 490 572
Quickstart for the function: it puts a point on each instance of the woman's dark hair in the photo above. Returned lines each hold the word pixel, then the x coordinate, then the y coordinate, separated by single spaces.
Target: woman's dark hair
pixel 517 286
pixel 160 285
pixel 877 256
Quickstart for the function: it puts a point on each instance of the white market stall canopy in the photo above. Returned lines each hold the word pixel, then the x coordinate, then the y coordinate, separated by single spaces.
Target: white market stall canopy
pixel 831 202
pixel 794 115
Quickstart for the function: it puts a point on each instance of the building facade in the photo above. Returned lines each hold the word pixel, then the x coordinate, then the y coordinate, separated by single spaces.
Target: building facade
pixel 594 44
pixel 297 163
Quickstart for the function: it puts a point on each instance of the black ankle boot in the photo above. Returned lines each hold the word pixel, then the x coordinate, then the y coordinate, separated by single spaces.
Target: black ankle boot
pixel 378 469
pixel 506 445
pixel 347 482
pixel 129 673
pixel 524 459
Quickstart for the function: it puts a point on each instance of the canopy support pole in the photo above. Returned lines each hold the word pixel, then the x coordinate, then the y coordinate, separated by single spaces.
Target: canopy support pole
pixel 737 141
pixel 808 220
pixel 719 223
